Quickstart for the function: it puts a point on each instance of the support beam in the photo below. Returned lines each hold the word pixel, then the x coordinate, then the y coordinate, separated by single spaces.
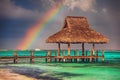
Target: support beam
pixel 15 57
pixel 91 56
pixel 49 55
pixel 97 56
pixel 68 49
pixel 63 54
pixel 82 49
pixel 93 48
pixel 31 57
pixel 86 55
pixel 102 55
pixel 92 52
pixel 58 59
pixel 58 49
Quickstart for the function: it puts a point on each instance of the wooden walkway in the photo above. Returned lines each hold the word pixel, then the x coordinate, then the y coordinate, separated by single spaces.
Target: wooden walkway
pixel 93 57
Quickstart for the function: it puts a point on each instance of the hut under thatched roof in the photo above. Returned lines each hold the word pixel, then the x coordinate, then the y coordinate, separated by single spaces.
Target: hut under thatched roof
pixel 76 30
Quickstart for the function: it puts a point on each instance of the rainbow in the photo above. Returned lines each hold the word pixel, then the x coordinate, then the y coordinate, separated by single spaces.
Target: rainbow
pixel 33 33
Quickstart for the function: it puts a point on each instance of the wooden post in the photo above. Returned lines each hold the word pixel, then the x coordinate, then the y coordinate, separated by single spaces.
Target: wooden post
pixel 97 56
pixel 75 54
pixel 58 52
pixel 93 48
pixel 91 55
pixel 55 55
pixel 86 55
pixel 93 51
pixel 15 57
pixel 78 60
pixel 48 54
pixel 31 57
pixel 58 49
pixel 83 52
pixel 68 53
pixel 68 49
pixel 63 56
pixel 102 55
pixel 82 49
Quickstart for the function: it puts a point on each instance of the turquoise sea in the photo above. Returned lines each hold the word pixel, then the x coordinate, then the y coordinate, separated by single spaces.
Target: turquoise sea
pixel 108 70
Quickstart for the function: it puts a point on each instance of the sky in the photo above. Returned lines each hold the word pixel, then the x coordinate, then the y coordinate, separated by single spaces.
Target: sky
pixel 18 16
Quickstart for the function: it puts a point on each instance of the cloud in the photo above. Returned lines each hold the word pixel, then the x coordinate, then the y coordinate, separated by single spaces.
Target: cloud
pixel 84 5
pixel 10 10
pixel 104 10
pixel 56 3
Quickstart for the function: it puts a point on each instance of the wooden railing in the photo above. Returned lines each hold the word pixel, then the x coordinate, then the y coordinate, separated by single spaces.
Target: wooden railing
pixel 93 57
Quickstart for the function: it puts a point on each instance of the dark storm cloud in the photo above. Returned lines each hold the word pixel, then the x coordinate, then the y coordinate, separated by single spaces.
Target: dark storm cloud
pixel 8 9
pixel 40 5
pixel 12 28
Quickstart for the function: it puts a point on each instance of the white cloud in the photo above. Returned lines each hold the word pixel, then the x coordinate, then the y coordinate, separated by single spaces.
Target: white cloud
pixel 56 3
pixel 9 9
pixel 104 10
pixel 84 5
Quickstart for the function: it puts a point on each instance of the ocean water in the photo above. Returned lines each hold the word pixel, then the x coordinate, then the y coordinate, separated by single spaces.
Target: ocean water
pixel 108 70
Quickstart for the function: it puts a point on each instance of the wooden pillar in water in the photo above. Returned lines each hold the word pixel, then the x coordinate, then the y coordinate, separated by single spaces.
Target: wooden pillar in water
pixel 83 52
pixel 69 52
pixel 63 54
pixel 68 49
pixel 31 57
pixel 93 50
pixel 97 56
pixel 58 49
pixel 75 54
pixel 15 57
pixel 92 53
pixel 58 52
pixel 49 56
pixel 102 55
pixel 86 56
pixel 55 56
pixel 46 56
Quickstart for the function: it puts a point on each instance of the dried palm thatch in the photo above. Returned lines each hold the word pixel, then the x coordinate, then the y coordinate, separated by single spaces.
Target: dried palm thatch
pixel 77 30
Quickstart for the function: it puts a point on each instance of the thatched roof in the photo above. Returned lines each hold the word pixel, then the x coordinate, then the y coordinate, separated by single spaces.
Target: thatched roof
pixel 77 30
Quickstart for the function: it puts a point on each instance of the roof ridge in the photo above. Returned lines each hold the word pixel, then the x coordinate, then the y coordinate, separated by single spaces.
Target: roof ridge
pixel 75 17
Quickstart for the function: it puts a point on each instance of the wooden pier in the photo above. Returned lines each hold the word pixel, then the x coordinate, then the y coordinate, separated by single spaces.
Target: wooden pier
pixel 93 57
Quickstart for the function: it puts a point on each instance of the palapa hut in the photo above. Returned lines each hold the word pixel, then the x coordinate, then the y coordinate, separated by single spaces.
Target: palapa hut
pixel 76 30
